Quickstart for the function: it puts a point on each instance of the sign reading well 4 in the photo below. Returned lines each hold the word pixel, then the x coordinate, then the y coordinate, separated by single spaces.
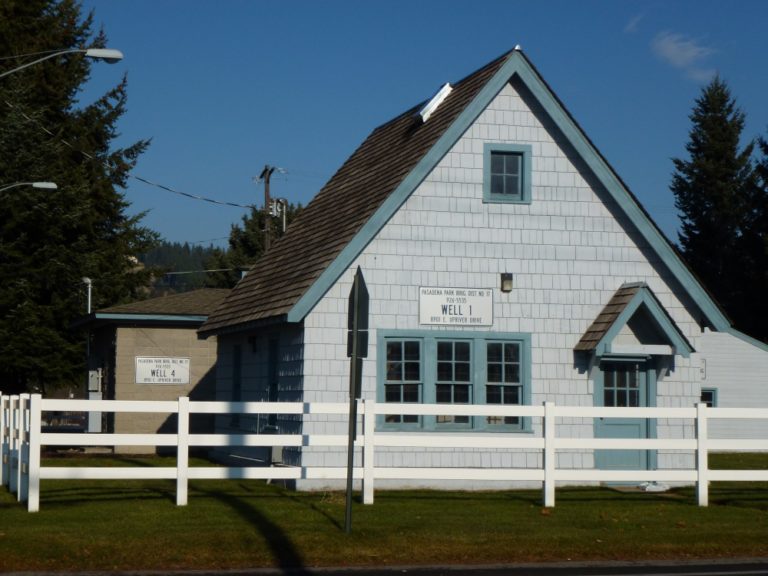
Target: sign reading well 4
pixel 162 370
pixel 456 306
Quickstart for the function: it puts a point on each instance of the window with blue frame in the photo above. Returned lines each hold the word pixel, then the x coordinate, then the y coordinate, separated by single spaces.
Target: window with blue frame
pixel 403 376
pixel 504 383
pixel 709 397
pixel 507 173
pixel 454 380
pixel 439 367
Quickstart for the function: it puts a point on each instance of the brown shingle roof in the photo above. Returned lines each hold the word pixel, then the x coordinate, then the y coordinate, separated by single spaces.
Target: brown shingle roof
pixel 194 303
pixel 338 212
pixel 608 316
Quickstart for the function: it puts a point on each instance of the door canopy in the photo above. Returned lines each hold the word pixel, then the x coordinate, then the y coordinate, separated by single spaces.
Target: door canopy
pixel 634 323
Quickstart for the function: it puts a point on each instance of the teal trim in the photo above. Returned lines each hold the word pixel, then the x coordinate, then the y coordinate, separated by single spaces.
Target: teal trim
pixel 518 66
pixel 712 401
pixel 620 194
pixel 525 152
pixel 381 378
pixel 150 318
pixel 388 208
pixel 623 427
pixel 748 339
pixel 645 298
pixel 428 340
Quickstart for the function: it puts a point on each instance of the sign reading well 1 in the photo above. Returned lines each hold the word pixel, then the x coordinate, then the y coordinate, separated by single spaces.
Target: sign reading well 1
pixel 456 306
pixel 162 370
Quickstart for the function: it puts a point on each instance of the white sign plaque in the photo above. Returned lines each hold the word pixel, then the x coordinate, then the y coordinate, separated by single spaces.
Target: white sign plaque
pixel 162 370
pixel 456 306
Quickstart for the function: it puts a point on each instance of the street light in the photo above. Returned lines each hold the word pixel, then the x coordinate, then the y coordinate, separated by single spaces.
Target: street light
pixel 43 185
pixel 109 55
pixel 88 285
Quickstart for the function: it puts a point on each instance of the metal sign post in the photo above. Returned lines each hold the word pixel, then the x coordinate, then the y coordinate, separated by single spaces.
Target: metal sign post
pixel 357 349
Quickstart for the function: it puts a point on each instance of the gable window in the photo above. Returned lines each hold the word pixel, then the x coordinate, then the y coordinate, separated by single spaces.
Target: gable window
pixel 442 367
pixel 507 173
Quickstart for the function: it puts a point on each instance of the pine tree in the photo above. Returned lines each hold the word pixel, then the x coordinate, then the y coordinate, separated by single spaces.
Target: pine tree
pixel 51 239
pixel 754 251
pixel 246 245
pixel 712 193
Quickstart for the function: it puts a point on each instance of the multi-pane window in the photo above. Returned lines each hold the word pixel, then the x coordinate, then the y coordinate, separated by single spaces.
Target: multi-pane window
pixel 454 377
pixel 504 384
pixel 454 368
pixel 506 174
pixel 403 376
pixel 621 385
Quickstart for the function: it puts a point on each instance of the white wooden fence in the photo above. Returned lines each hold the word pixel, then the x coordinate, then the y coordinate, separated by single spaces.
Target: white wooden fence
pixel 21 439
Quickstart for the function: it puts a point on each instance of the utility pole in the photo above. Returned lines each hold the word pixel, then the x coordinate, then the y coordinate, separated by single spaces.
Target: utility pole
pixel 265 176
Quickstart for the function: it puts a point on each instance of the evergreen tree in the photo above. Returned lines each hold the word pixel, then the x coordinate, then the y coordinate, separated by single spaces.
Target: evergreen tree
pixel 754 251
pixel 180 267
pixel 51 239
pixel 246 246
pixel 713 194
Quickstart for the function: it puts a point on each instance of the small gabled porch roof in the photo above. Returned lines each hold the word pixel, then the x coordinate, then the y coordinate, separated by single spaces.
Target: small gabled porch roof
pixel 629 300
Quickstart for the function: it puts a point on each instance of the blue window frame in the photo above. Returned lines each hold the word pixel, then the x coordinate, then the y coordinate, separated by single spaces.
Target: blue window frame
pixel 507 173
pixel 504 378
pixel 435 366
pixel 403 376
pixel 709 397
pixel 454 377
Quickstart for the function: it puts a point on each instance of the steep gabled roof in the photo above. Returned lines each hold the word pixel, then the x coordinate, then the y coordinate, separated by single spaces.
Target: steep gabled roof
pixel 380 175
pixel 345 204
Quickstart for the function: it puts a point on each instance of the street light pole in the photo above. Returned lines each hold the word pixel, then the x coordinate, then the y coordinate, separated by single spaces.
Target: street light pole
pixel 88 284
pixel 109 55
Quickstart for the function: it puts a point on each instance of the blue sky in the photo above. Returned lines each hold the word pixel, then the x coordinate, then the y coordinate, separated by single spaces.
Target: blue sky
pixel 225 87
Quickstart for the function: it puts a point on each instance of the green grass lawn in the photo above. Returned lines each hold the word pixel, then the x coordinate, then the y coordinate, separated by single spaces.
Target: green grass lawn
pixel 103 525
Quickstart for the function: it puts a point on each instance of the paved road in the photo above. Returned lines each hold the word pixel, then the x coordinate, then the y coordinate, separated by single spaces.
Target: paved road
pixel 758 567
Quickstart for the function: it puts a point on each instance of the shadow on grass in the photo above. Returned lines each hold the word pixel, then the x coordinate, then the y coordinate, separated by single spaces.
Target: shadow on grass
pixel 283 548
pixel 314 507
pixel 79 494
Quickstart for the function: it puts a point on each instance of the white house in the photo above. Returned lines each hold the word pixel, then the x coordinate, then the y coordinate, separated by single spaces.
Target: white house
pixel 507 263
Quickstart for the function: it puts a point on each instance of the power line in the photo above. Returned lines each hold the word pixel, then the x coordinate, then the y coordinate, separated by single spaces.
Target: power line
pixel 139 178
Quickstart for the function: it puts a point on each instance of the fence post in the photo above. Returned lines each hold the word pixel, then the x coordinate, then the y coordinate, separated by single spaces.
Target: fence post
pixel 549 454
pixel 33 469
pixel 3 441
pixel 369 425
pixel 182 452
pixel 23 448
pixel 13 453
pixel 702 455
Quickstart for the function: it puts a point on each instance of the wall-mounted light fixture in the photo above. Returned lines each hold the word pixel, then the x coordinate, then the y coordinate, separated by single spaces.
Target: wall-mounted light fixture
pixel 506 282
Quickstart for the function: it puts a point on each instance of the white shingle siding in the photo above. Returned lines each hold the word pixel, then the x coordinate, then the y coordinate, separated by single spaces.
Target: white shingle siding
pixel 739 371
pixel 568 250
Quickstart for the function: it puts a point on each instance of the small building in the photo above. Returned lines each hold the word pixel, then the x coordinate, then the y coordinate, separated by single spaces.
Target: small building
pixel 149 350
pixel 507 263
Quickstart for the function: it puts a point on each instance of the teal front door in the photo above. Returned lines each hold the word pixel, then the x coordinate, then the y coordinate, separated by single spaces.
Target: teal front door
pixel 623 383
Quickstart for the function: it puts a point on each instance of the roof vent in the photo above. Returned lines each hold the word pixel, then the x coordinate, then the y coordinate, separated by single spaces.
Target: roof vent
pixel 436 100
